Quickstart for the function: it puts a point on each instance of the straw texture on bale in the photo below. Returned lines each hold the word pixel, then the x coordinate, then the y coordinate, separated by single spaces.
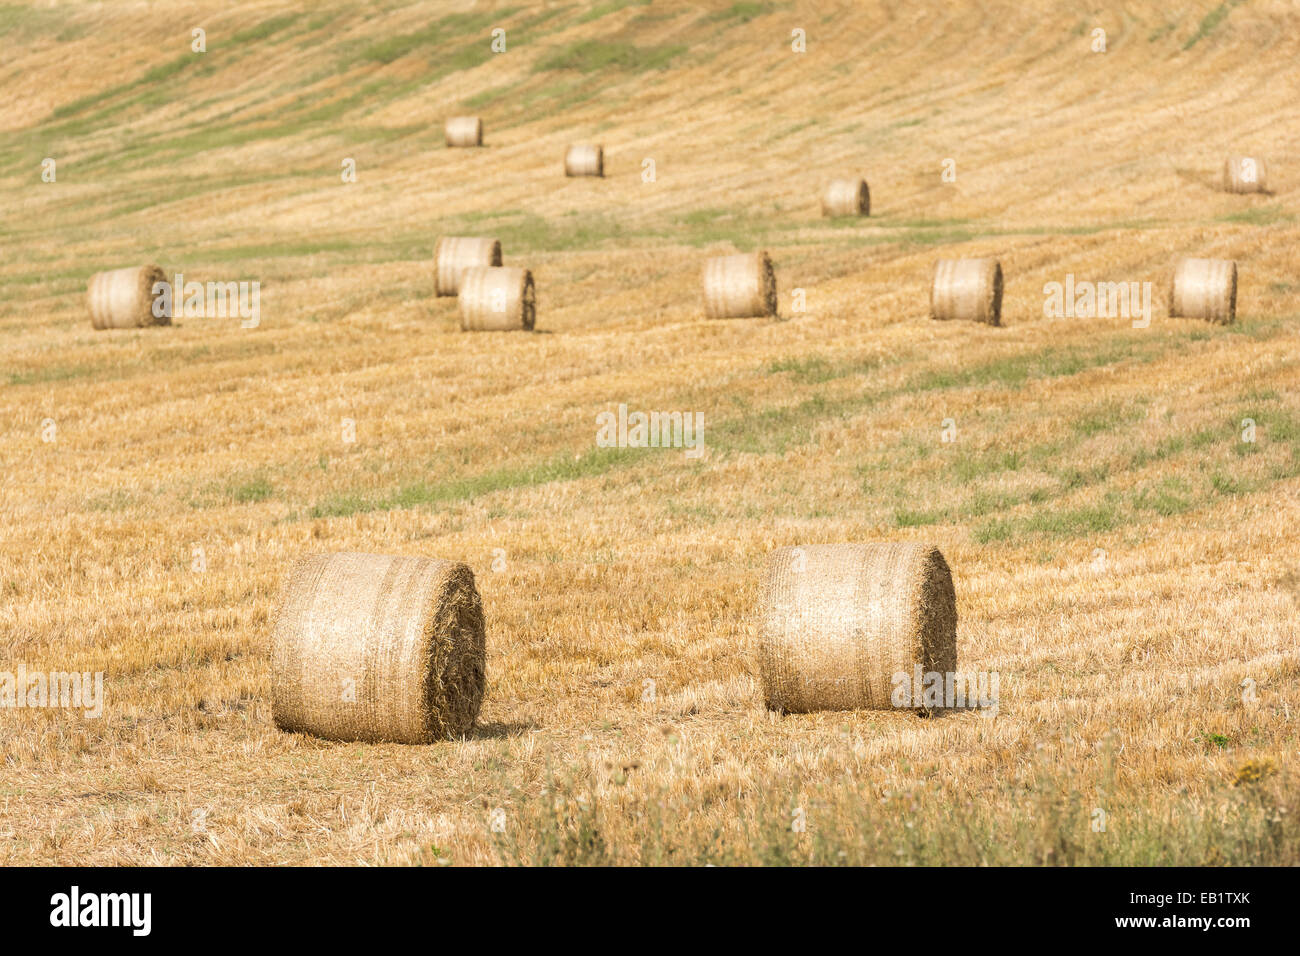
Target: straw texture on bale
pixel 374 647
pixel 739 286
pixel 497 299
pixel 1205 289
pixel 1245 174
pixel 847 197
pixel 464 131
pixel 124 298
pixel 969 289
pixel 584 161
pixel 454 254
pixel 838 621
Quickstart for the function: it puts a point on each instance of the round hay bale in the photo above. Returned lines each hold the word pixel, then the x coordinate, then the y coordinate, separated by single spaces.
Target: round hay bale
pixel 838 621
pixel 124 298
pixel 969 289
pixel 739 286
pixel 847 197
pixel 454 254
pixel 464 131
pixel 1245 174
pixel 376 647
pixel 584 160
pixel 1204 289
pixel 497 299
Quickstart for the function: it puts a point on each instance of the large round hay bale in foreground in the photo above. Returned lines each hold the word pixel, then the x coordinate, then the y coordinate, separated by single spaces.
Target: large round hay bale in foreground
pixel 739 286
pixel 839 621
pixel 1245 174
pixel 584 160
pixel 1204 289
pixel 847 197
pixel 497 299
pixel 375 647
pixel 124 298
pixel 968 289
pixel 463 131
pixel 454 254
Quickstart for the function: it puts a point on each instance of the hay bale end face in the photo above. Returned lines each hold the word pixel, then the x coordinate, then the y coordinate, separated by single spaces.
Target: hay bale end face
pixel 584 160
pixel 837 622
pixel 454 254
pixel 378 648
pixel 847 197
pixel 1204 289
pixel 968 289
pixel 464 131
pixel 124 298
pixel 740 286
pixel 497 299
pixel 1245 174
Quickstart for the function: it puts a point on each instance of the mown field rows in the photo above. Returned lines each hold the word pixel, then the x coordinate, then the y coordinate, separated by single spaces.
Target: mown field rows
pixel 1122 557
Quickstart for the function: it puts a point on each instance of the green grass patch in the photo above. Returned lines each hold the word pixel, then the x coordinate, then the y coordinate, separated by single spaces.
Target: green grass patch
pixel 265 29
pixel 1089 519
pixel 470 31
pixel 1209 23
pixel 591 56
pixel 814 370
pixel 562 467
pixel 1258 216
pixel 250 492
pixel 741 12
pixel 52 373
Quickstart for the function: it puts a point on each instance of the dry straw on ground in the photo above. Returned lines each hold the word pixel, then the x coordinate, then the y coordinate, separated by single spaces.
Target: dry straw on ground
pixel 1245 174
pixel 739 286
pixel 454 254
pixel 1204 289
pixel 969 289
pixel 124 298
pixel 838 621
pixel 584 160
pixel 847 197
pixel 497 299
pixel 374 648
pixel 464 131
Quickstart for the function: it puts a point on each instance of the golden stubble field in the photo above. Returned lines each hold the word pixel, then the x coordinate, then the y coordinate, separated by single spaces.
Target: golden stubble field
pixel 1123 559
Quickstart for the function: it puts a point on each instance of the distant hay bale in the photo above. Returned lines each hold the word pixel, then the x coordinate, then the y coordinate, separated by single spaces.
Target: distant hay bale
pixel 1245 174
pixel 739 286
pixel 838 621
pixel 497 299
pixel 124 298
pixel 375 647
pixel 584 160
pixel 847 197
pixel 1204 289
pixel 454 254
pixel 968 289
pixel 464 131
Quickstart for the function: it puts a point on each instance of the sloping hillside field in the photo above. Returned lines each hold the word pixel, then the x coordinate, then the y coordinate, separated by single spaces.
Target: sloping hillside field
pixel 1115 490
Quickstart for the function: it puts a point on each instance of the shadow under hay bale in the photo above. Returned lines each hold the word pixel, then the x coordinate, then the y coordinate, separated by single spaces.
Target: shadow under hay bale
pixel 464 131
pixel 124 298
pixel 967 289
pixel 837 622
pixel 1245 174
pixel 1204 289
pixel 378 648
pixel 739 286
pixel 584 160
pixel 846 197
pixel 497 299
pixel 454 254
